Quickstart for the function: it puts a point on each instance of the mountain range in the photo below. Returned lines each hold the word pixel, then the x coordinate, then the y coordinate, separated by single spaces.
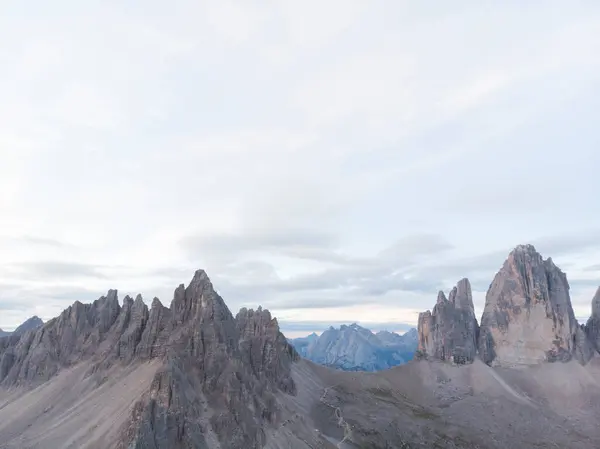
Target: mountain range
pixel 354 348
pixel 32 323
pixel 193 375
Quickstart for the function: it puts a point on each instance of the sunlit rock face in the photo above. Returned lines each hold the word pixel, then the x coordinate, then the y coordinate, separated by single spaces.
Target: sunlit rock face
pixel 528 317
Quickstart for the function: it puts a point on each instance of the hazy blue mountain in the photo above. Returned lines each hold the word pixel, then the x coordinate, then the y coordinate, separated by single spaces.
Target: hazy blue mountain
pixel 304 344
pixel 354 348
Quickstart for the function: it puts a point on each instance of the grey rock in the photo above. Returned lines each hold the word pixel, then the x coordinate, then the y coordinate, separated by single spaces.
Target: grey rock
pixel 30 324
pixel 264 348
pixel 155 333
pixel 76 334
pixel 528 317
pixel 592 327
pixel 450 332
pixel 234 366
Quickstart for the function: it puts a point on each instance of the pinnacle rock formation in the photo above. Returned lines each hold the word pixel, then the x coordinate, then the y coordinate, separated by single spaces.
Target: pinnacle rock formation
pixel 592 327
pixel 450 332
pixel 528 317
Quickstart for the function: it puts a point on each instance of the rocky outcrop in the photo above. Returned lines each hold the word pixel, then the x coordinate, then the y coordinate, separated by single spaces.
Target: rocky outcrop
pixel 76 334
pixel 155 333
pixel 528 317
pixel 592 327
pixel 450 332
pixel 234 366
pixel 264 348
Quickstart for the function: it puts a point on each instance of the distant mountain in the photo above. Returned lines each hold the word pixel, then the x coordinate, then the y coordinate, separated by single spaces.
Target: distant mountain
pixel 354 348
pixel 304 344
pixel 32 323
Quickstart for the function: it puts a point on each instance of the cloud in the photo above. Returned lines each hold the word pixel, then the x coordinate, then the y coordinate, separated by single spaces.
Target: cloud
pixel 389 152
pixel 284 240
pixel 573 242
pixel 43 241
pixel 57 269
pixel 595 267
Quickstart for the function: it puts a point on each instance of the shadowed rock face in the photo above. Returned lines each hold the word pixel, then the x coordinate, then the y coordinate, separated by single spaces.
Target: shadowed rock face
pixel 592 327
pixel 528 317
pixel 449 333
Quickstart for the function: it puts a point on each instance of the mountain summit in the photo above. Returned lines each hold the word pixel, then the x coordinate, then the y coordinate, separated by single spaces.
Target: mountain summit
pixel 355 348
pixel 528 318
pixel 30 324
pixel 232 365
pixel 450 332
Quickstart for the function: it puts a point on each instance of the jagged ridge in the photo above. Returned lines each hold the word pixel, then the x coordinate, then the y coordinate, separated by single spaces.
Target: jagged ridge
pixel 233 364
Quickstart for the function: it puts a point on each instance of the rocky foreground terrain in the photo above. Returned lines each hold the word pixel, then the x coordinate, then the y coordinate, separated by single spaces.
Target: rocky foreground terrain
pixel 192 375
pixel 354 348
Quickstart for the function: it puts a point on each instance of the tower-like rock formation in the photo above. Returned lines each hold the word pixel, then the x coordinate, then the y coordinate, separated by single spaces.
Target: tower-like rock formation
pixel 592 327
pixel 449 333
pixel 528 317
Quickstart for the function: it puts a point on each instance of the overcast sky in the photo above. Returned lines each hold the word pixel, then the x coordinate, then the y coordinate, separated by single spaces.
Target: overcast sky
pixel 334 161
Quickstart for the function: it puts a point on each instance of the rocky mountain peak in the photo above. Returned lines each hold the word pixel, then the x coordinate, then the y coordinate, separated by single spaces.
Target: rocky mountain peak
pixel 441 298
pixel 30 324
pixel 199 301
pixel 528 316
pixel 596 304
pixel 449 333
pixel 463 298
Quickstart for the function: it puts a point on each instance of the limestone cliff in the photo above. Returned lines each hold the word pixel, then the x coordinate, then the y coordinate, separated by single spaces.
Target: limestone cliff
pixel 528 317
pixel 449 333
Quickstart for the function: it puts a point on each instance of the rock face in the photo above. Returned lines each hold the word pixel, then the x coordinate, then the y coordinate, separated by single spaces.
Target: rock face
pixel 354 348
pixel 231 365
pixel 592 327
pixel 528 317
pixel 450 332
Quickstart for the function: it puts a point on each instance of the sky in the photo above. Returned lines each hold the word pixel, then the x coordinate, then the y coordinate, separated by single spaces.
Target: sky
pixel 335 162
